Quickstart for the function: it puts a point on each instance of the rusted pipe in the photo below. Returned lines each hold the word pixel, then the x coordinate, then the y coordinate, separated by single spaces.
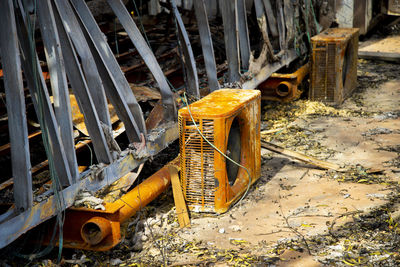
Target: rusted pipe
pixel 96 229
pixel 284 88
pixel 144 193
pixel 302 72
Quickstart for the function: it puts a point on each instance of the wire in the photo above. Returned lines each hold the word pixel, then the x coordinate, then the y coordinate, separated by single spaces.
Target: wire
pixel 179 43
pixel 317 26
pixel 218 150
pixel 141 23
pixel 116 37
pixel 307 20
pixel 90 149
pixel 56 184
pixel 147 40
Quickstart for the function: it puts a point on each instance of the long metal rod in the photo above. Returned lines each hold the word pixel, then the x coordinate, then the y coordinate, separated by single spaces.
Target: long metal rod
pixel 10 56
pixel 228 10
pixel 114 73
pixel 244 40
pixel 58 81
pixel 189 61
pixel 148 57
pixel 112 90
pixel 71 26
pixel 206 44
pixel 81 91
pixel 41 100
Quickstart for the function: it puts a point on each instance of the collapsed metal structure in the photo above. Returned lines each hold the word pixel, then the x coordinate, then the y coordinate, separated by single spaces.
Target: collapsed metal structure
pixel 78 57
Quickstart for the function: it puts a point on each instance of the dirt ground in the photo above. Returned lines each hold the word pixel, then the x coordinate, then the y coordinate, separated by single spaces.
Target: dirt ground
pixel 293 202
pixel 296 214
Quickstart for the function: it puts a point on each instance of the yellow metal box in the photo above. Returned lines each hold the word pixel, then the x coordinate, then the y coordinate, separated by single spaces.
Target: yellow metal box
pixel 230 120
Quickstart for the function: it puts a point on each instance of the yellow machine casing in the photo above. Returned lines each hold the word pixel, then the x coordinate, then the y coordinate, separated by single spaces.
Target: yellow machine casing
pixel 230 120
pixel 334 65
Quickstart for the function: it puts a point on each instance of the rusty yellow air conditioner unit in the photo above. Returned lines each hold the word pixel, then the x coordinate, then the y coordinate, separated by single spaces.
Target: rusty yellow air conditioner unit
pixel 230 120
pixel 334 65
pixel 393 7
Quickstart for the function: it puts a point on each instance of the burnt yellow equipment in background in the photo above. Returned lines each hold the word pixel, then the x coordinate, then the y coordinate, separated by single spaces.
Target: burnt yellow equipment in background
pixel 230 120
pixel 334 65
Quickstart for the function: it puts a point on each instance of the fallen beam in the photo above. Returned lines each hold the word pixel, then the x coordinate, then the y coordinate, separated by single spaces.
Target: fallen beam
pixel 180 204
pixel 100 230
pixel 267 70
pixel 13 227
pixel 375 55
pixel 304 158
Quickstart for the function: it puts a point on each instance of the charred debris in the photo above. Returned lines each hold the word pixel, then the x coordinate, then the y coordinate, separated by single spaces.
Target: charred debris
pixel 89 122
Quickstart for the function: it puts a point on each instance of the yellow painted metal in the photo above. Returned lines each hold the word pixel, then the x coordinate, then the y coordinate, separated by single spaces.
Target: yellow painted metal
pixel 145 192
pixel 284 87
pixel 334 65
pixel 180 204
pixel 99 230
pixel 204 175
pixel 95 230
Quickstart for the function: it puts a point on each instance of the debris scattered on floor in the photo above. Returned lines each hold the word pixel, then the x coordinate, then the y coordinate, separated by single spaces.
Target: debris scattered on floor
pixel 87 200
pixel 294 214
pixel 358 174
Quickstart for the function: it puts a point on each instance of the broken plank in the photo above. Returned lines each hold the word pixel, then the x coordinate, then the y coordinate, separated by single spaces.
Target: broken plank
pixel 374 55
pixel 180 204
pixel 155 117
pixel 304 158
pixel 144 93
pixel 387 49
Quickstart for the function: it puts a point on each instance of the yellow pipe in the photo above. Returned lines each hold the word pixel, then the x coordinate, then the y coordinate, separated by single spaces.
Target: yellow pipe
pixel 143 194
pixel 302 72
pixel 284 88
pixel 95 230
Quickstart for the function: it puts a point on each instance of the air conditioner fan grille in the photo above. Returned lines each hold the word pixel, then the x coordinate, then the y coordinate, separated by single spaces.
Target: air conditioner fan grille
pixel 198 181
